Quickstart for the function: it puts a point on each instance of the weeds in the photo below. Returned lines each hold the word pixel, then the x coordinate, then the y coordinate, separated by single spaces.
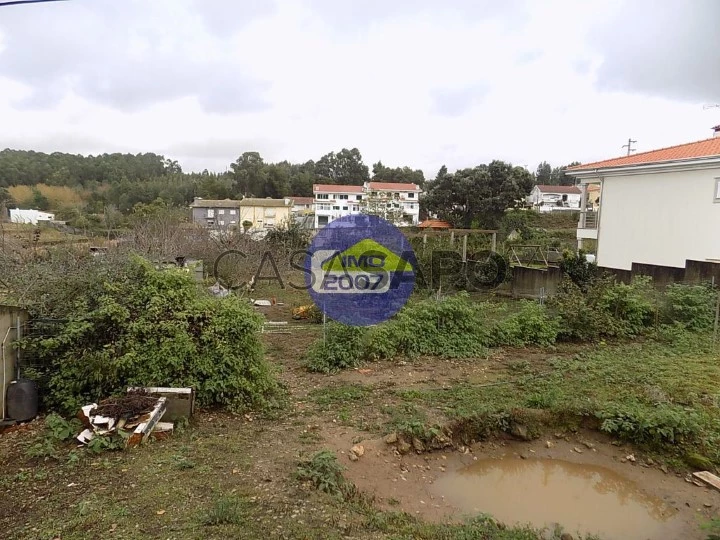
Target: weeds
pixel 224 511
pixel 324 472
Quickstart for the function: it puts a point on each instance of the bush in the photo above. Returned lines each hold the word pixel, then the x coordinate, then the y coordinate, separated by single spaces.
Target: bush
pixel 326 474
pixel 578 269
pixel 530 325
pixel 453 327
pixel 578 319
pixel 631 307
pixel 342 348
pixel 691 305
pixel 660 424
pixel 138 326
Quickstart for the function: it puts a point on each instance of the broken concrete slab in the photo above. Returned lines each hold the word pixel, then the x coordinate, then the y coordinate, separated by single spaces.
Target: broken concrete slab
pixel 162 430
pixel 708 478
pixel 148 423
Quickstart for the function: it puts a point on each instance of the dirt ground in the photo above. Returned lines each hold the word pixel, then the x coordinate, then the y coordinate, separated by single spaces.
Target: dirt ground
pixel 161 489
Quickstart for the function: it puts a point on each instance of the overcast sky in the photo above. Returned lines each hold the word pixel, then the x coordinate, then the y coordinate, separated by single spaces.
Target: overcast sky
pixel 411 82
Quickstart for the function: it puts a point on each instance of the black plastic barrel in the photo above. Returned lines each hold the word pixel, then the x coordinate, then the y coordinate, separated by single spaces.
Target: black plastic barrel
pixel 22 400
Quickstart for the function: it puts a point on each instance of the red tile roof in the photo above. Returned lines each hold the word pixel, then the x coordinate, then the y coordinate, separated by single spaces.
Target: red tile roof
pixel 695 150
pixel 336 188
pixel 391 186
pixel 435 224
pixel 558 189
pixel 303 200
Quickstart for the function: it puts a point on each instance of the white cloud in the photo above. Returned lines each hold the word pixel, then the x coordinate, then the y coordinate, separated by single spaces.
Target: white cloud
pixel 407 82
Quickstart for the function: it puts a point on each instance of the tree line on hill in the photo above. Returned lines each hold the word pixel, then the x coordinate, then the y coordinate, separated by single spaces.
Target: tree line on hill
pixel 122 182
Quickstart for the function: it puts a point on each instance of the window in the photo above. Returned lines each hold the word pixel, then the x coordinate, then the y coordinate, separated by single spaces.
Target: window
pixel 221 222
pixel 324 196
pixel 232 222
pixel 345 207
pixel 343 197
pixel 211 213
pixel 232 212
pixel 336 208
pixel 717 190
pixel 221 212
pixel 358 197
pixel 411 195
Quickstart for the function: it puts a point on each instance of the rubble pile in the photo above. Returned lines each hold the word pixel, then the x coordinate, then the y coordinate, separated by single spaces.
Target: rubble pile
pixel 135 416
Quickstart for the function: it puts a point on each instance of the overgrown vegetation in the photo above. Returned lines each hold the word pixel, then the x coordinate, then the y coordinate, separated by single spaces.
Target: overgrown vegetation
pixel 324 473
pixel 459 327
pixel 129 324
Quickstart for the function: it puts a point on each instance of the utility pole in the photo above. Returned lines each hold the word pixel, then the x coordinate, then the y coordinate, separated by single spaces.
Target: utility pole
pixel 629 146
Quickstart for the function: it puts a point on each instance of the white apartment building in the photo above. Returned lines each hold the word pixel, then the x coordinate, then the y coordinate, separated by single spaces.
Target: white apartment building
pixel 335 201
pixel 399 203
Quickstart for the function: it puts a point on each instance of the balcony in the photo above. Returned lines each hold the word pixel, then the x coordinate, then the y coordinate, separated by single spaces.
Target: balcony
pixel 588 225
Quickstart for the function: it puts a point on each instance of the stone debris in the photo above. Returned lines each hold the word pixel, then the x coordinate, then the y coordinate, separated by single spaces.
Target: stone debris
pixel 358 450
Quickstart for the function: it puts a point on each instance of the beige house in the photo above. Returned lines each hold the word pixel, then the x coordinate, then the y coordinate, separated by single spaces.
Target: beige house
pixel 259 214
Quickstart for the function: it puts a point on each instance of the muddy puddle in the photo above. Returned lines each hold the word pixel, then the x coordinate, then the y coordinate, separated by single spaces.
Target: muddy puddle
pixel 584 498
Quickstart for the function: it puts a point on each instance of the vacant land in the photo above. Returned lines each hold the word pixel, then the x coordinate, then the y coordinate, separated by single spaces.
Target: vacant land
pixel 236 475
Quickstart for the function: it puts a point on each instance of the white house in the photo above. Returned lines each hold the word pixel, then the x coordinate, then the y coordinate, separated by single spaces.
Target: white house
pixel 395 201
pixel 335 201
pixel 660 207
pixel 18 215
pixel 550 198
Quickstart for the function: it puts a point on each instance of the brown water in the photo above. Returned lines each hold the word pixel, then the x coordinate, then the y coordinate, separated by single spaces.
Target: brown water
pixel 582 498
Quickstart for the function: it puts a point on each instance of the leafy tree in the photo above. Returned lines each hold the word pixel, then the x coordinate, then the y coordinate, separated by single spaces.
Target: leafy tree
pixel 277 181
pixel 478 196
pixel 381 173
pixel 346 168
pixel 543 175
pixel 249 173
pixel 559 178
pixel 40 201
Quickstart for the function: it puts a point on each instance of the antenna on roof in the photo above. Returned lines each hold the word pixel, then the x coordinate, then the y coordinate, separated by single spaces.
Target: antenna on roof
pixel 629 146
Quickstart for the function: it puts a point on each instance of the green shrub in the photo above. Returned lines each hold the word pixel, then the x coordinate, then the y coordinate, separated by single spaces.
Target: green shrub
pixel 143 327
pixel 578 319
pixel 324 472
pixel 576 266
pixel 452 327
pixel 631 307
pixel 341 348
pixel 691 305
pixel 660 424
pixel 530 325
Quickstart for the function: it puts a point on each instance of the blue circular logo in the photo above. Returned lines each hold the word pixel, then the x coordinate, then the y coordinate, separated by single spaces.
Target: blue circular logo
pixel 360 270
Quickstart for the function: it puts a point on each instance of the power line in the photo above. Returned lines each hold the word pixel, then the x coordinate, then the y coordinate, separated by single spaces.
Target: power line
pixel 18 2
pixel 629 146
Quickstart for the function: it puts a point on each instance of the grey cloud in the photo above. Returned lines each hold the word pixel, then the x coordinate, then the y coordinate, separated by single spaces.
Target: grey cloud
pixel 88 47
pixel 455 102
pixel 666 49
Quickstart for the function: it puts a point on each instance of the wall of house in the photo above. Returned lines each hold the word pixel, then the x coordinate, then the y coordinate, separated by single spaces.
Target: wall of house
pixel 659 218
pixel 264 217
